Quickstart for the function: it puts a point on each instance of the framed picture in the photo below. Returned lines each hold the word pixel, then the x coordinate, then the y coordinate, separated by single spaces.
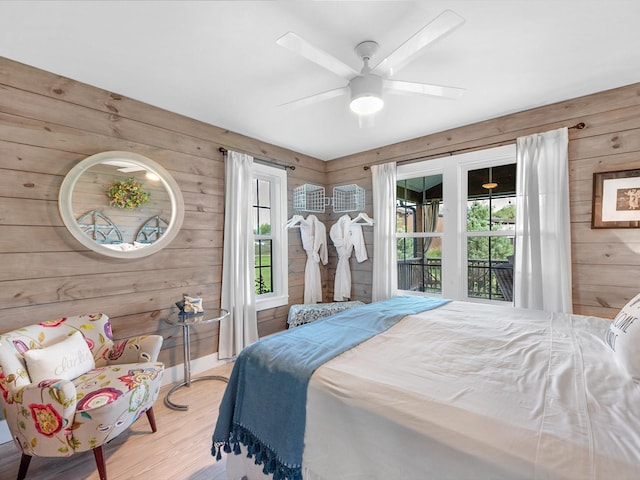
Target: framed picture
pixel 616 199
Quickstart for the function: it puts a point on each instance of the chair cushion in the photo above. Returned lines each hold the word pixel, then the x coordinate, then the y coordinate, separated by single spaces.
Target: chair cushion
pixel 67 359
pixel 110 399
pixel 104 385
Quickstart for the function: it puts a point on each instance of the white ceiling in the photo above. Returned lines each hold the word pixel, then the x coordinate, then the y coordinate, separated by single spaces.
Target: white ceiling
pixel 217 61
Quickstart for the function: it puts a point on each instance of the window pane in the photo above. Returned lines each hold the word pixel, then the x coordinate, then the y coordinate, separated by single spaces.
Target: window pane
pixel 263 221
pixel 254 192
pixel 420 264
pixel 262 262
pixel 490 267
pixel 262 207
pixel 264 193
pixel 419 202
pixel 256 220
pixel 477 215
pixel 491 203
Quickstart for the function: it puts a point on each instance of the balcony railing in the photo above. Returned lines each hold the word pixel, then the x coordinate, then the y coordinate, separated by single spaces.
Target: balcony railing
pixel 486 279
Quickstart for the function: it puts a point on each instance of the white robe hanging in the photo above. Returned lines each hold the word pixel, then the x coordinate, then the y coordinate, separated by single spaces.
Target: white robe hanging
pixel 346 237
pixel 314 241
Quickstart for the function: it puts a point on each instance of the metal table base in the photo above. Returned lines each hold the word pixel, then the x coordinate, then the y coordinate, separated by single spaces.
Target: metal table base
pixel 186 350
pixel 175 406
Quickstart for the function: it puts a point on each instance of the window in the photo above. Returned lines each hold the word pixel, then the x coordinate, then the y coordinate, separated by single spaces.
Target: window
pixel 419 233
pixel 455 225
pixel 490 232
pixel 270 243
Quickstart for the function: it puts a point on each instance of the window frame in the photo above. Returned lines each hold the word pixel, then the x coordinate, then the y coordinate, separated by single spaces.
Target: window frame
pixel 454 170
pixel 488 158
pixel 277 177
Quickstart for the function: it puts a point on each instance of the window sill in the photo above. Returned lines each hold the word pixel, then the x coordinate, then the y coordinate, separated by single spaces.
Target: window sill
pixel 271 302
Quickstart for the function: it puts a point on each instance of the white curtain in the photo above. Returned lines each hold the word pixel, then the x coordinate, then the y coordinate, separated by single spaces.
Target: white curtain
pixel 385 266
pixel 430 215
pixel 542 276
pixel 238 277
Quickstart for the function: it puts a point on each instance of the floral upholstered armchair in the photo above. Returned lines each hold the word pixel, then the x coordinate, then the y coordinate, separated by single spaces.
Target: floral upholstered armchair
pixel 68 387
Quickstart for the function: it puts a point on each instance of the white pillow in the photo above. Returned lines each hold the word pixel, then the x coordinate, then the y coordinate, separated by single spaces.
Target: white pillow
pixel 67 359
pixel 623 337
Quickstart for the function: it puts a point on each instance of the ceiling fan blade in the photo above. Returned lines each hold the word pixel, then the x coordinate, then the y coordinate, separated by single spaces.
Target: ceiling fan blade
pixel 424 89
pixel 318 97
pixel 443 24
pixel 125 167
pixel 131 169
pixel 298 45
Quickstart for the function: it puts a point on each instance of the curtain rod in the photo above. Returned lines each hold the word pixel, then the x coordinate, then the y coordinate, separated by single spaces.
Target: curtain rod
pixel 577 126
pixel 261 160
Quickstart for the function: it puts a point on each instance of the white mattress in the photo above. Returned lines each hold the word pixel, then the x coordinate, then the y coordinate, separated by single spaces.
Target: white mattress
pixel 470 391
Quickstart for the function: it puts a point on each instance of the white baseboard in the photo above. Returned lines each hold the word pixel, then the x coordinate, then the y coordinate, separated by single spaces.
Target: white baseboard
pixel 198 365
pixel 5 434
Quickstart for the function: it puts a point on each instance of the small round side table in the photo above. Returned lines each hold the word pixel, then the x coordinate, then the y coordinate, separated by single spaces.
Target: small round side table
pixel 186 320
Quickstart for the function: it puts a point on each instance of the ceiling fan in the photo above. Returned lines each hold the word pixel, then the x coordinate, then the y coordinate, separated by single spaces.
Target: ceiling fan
pixel 366 87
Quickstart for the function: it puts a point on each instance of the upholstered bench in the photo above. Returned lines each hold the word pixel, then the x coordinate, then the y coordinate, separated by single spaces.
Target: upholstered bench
pixel 306 313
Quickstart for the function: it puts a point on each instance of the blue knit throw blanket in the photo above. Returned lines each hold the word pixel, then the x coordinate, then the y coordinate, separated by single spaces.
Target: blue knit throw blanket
pixel 264 405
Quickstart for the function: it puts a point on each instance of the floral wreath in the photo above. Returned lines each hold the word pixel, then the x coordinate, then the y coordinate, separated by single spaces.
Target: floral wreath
pixel 127 194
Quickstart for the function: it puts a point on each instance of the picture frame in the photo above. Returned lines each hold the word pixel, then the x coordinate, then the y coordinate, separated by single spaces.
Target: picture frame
pixel 616 199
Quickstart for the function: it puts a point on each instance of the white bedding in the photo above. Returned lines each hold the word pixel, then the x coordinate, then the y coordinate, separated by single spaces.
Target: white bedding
pixel 470 391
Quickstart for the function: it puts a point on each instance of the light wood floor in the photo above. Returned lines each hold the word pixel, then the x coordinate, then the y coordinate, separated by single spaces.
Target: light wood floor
pixel 180 449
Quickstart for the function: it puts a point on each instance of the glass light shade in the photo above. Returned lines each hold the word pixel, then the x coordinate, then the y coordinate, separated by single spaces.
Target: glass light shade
pixel 366 94
pixel 366 105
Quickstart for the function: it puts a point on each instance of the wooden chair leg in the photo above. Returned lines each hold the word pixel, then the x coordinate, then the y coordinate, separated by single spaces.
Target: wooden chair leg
pixel 152 419
pixel 24 466
pixel 98 452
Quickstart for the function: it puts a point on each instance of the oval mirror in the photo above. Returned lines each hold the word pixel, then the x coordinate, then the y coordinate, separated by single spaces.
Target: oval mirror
pixel 121 204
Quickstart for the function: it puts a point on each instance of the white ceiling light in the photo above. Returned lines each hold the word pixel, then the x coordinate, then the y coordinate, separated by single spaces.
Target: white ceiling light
pixel 366 94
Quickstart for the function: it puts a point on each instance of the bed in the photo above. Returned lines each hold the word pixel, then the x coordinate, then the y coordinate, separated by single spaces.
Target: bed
pixel 459 391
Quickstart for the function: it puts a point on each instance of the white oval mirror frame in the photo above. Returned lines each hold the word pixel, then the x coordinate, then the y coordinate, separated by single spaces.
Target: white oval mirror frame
pixel 65 203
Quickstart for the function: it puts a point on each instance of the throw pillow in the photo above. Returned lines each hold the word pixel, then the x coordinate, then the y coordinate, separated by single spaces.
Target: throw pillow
pixel 67 359
pixel 623 337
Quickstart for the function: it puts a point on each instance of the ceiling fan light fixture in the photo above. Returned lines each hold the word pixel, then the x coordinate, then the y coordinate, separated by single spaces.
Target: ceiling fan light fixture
pixel 366 105
pixel 366 94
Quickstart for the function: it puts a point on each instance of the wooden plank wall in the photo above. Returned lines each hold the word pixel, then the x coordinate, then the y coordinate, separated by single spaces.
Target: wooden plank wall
pixel 606 263
pixel 47 124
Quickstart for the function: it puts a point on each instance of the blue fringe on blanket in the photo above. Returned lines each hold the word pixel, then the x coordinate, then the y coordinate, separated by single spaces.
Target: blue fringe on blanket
pixel 262 454
pixel 264 404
